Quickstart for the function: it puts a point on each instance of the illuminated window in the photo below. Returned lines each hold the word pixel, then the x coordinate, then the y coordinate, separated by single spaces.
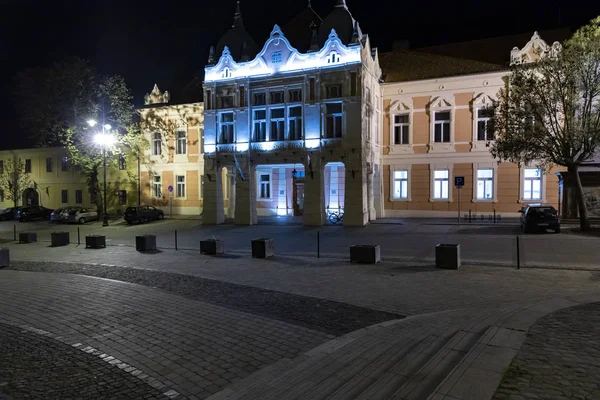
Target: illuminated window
pixel 259 99
pixel 400 184
pixel 181 142
pixel 226 129
pixel 122 162
pixel 440 184
pixel 532 184
pixel 485 184
pixel 156 186
pixel 295 95
pixel 295 123
pixel 264 186
pixel 442 127
pixel 226 73
pixel 157 144
pixel 277 97
pixel 483 131
pixel 401 125
pixel 333 58
pixel 334 91
pixel 260 125
pixel 180 186
pixel 276 58
pixel 277 124
pixel 333 117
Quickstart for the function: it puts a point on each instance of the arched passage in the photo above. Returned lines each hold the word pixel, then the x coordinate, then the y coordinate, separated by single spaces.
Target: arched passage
pixel 31 197
pixel 335 187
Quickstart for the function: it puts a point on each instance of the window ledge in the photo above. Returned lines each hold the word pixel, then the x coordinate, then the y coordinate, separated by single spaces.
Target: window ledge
pixel 447 147
pixel 484 201
pixel 400 200
pixel 480 145
pixel 401 149
pixel 440 201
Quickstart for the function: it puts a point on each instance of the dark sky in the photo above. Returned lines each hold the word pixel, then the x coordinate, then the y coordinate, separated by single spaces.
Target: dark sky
pixel 167 41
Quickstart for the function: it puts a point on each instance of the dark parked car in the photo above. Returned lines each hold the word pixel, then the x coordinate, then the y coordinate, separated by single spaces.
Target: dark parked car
pixel 55 216
pixel 539 217
pixel 33 212
pixel 142 214
pixel 8 214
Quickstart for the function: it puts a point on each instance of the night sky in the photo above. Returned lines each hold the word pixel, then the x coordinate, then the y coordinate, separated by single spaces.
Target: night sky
pixel 166 42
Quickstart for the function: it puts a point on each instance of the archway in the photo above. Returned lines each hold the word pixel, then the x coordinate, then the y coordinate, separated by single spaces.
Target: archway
pixel 31 197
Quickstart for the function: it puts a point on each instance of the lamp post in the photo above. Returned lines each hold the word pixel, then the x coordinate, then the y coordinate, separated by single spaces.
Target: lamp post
pixel 104 140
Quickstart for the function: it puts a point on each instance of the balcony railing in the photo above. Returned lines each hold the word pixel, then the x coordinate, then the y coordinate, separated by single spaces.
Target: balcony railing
pixel 230 148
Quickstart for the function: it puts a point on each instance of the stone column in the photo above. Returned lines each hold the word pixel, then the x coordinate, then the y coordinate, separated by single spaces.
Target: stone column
pixel 213 212
pixel 314 199
pixel 356 208
pixel 245 197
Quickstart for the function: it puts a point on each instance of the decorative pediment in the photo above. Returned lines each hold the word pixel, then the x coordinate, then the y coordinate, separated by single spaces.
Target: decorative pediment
pixel 483 99
pixel 441 102
pixel 400 106
pixel 156 97
pixel 533 51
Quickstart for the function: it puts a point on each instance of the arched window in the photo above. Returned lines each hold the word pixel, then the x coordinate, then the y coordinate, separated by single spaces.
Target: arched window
pixel 157 144
pixel 226 73
pixel 333 58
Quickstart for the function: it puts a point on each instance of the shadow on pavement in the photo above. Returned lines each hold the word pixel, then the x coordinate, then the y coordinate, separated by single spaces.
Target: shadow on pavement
pixel 490 230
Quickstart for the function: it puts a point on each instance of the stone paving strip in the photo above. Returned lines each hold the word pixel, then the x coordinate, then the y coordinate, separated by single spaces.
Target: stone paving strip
pixel 36 366
pixel 325 315
pixel 191 347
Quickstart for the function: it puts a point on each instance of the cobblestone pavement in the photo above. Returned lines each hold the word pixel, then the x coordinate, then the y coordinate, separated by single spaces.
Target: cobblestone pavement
pixel 191 347
pixel 560 358
pixel 37 367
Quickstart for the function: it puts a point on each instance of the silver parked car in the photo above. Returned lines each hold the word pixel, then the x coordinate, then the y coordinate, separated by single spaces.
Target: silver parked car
pixel 56 215
pixel 79 215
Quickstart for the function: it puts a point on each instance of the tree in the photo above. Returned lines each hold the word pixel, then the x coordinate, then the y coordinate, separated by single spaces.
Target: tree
pixel 56 103
pixel 14 180
pixel 549 113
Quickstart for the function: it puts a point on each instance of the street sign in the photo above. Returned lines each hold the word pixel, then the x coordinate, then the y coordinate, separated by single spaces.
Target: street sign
pixel 170 188
pixel 459 181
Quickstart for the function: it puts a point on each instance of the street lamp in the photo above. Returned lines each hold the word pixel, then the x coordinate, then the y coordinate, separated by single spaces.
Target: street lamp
pixel 104 140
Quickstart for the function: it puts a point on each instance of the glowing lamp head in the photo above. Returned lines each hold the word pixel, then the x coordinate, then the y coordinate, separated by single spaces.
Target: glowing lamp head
pixel 92 122
pixel 104 140
pixel 107 127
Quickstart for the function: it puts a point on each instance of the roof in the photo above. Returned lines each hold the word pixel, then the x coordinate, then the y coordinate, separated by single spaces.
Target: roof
pixel 299 30
pixel 495 50
pixel 405 65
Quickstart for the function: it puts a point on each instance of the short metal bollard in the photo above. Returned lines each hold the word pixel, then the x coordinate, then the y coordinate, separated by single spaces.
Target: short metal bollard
pixel 4 258
pixel 95 242
pixel 263 248
pixel 59 239
pixel 27 237
pixel 145 242
pixel 447 256
pixel 365 253
pixel 212 246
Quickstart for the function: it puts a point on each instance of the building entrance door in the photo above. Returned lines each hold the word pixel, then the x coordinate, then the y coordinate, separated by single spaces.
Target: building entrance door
pixel 298 198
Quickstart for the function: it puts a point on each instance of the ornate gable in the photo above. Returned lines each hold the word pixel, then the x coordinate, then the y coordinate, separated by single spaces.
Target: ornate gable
pixel 533 51
pixel 156 97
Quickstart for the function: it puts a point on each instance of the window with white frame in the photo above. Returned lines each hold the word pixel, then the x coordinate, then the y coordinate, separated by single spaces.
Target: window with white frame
pixel 180 186
pixel 181 142
pixel 333 123
pixel 485 184
pixel 483 131
pixel 157 144
pixel 440 184
pixel 226 129
pixel 532 184
pixel 277 124
pixel 156 186
pixel 441 131
pixel 295 123
pixel 260 125
pixel 401 126
pixel 264 186
pixel 400 185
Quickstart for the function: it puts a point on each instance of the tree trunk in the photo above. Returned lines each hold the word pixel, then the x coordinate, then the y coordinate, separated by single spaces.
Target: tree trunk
pixel 95 190
pixel 584 220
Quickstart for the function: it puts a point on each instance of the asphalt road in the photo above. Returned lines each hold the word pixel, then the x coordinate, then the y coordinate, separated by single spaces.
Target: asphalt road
pixel 412 240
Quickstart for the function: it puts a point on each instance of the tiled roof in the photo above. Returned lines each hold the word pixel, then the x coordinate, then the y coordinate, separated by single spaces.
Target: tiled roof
pixel 404 65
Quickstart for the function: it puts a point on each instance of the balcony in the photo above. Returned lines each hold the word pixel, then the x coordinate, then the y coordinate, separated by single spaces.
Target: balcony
pixel 277 146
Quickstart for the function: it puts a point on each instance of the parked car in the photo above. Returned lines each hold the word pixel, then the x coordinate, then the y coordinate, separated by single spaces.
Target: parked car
pixel 79 215
pixel 143 214
pixel 56 215
pixel 30 213
pixel 539 217
pixel 8 214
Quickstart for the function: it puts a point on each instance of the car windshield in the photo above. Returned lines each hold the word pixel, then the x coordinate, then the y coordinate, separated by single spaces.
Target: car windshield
pixel 542 210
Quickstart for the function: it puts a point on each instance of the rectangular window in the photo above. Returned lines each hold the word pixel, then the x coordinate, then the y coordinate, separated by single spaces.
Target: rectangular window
pixel 180 186
pixel 295 95
pixel 333 128
pixel 122 162
pixel 64 164
pixel 64 195
pixel 122 197
pixel 440 184
pixel 532 184
pixel 442 127
pixel 277 124
pixel 485 184
pixel 401 125
pixel 295 121
pixel 227 134
pixel 48 164
pixel 259 99
pixel 28 166
pixel 181 142
pixel 157 144
pixel 79 196
pixel 353 84
pixel 401 184
pixel 1 166
pixel 260 125
pixel 483 118
pixel 334 91
pixel 264 188
pixel 1 196
pixel 277 97
pixel 156 186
